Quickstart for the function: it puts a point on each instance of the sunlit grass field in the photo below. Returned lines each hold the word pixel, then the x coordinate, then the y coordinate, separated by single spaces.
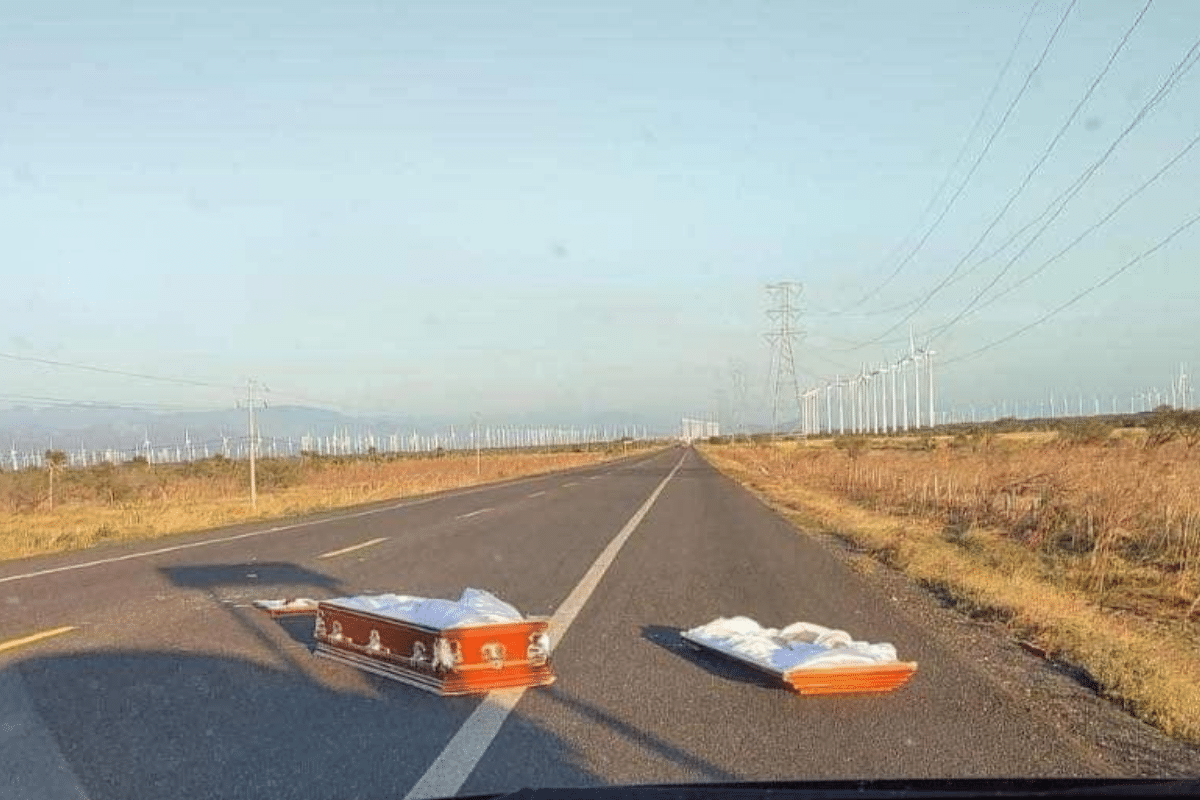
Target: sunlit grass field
pixel 140 501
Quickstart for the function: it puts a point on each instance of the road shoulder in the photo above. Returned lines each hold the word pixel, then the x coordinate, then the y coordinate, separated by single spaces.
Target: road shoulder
pixel 1127 745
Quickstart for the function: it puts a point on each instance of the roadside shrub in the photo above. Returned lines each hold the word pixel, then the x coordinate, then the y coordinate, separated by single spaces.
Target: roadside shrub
pixel 852 446
pixel 1085 432
pixel 1169 424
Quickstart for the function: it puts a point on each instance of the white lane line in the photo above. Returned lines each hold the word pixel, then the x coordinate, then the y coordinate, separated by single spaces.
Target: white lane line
pixel 537 494
pixel 450 770
pixel 276 529
pixel 571 483
pixel 12 644
pixel 353 547
pixel 474 513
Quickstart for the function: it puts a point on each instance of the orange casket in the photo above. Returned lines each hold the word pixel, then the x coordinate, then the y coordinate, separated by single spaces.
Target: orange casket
pixel 816 680
pixel 445 661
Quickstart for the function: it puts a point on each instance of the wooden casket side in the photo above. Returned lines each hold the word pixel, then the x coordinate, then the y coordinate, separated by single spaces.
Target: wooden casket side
pixel 448 661
pixel 852 679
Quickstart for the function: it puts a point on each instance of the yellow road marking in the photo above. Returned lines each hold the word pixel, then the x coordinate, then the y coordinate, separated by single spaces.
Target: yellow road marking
pixel 12 644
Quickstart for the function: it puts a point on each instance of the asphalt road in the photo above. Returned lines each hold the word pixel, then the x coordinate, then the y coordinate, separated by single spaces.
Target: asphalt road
pixel 168 683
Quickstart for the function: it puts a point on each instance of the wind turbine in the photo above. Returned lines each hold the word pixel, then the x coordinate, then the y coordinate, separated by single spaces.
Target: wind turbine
pixel 856 404
pixel 841 406
pixel 916 359
pixel 929 354
pixel 872 417
pixel 892 370
pixel 889 391
pixel 828 408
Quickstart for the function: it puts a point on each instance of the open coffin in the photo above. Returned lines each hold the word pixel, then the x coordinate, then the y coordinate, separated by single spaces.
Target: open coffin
pixel 475 644
pixel 811 659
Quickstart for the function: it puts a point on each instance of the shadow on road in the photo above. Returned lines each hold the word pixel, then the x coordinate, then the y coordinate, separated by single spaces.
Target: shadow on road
pixel 275 580
pixel 705 770
pixel 267 574
pixel 529 754
pixel 669 639
pixel 150 724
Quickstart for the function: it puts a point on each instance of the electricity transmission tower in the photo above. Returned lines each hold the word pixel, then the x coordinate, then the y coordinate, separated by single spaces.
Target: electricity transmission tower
pixel 784 314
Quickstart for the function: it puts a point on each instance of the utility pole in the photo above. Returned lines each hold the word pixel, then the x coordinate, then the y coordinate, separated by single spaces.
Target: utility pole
pixel 784 313
pixel 475 436
pixel 251 404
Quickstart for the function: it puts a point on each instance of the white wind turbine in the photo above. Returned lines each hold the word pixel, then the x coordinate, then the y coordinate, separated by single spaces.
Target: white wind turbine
pixel 894 370
pixel 829 408
pixel 841 393
pixel 916 360
pixel 889 396
pixel 857 406
pixel 873 401
pixel 929 354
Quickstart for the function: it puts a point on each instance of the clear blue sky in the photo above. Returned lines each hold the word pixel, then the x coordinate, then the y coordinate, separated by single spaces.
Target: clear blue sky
pixel 573 207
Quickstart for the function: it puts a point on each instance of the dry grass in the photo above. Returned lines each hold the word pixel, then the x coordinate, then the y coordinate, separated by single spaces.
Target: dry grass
pixel 137 502
pixel 1092 551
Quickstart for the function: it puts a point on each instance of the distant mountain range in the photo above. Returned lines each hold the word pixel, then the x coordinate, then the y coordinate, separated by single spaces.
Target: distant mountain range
pixel 75 427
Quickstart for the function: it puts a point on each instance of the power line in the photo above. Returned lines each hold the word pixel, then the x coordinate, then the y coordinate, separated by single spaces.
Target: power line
pixel 957 160
pixel 1059 204
pixel 1028 79
pixel 975 304
pixel 111 371
pixel 94 404
pixel 1180 69
pixel 1075 299
pixel 1024 184
pixel 978 160
pixel 154 377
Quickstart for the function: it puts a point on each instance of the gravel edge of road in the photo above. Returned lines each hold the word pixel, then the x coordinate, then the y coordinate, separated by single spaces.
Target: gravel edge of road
pixel 1125 744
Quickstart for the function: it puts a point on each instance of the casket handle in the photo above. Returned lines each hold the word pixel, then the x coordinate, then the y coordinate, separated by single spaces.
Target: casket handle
pixel 494 652
pixel 539 648
pixel 418 654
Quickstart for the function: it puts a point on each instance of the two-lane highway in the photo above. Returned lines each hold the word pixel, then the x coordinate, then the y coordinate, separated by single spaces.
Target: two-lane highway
pixel 156 676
